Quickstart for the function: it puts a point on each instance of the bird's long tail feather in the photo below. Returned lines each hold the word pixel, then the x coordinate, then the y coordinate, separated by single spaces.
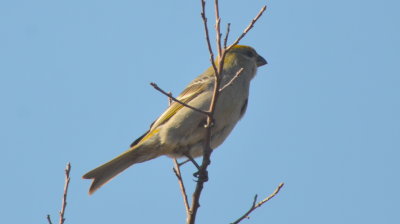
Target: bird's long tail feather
pixel 104 173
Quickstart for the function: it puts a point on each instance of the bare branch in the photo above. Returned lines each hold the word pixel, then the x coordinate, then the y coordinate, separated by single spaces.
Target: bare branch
pixel 49 219
pixel 249 27
pixel 178 174
pixel 202 173
pixel 228 29
pixel 207 150
pixel 218 28
pixel 232 80
pixel 64 199
pixel 203 16
pixel 254 206
pixel 170 97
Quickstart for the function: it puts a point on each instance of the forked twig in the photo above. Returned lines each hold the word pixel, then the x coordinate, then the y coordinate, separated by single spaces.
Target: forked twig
pixel 254 206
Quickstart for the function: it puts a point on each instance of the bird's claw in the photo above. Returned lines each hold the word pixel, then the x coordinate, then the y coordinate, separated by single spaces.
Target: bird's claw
pixel 201 176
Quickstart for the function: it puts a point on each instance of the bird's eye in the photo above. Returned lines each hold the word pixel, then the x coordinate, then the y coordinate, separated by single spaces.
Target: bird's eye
pixel 249 53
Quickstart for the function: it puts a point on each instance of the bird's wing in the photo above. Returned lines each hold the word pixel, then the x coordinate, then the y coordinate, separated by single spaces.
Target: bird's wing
pixel 192 90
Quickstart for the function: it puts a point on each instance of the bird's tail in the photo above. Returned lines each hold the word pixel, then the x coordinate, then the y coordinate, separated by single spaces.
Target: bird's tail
pixel 104 173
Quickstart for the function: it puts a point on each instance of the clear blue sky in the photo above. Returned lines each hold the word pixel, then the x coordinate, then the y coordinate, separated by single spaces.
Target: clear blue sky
pixel 323 115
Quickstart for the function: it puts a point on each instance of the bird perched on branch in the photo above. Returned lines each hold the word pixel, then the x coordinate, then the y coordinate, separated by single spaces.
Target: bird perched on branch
pixel 180 130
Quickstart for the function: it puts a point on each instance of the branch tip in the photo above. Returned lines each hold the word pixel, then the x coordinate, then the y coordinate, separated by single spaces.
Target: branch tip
pixel 259 204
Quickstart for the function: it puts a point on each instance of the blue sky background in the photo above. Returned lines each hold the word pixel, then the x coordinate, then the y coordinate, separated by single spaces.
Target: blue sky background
pixel 323 115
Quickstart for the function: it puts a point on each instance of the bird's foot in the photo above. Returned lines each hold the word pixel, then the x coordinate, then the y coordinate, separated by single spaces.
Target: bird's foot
pixel 201 176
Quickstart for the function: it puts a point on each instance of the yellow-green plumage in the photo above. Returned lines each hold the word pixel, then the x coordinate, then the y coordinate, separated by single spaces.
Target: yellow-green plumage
pixel 179 131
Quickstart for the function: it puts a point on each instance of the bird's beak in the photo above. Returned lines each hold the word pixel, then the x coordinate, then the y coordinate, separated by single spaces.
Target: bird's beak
pixel 261 61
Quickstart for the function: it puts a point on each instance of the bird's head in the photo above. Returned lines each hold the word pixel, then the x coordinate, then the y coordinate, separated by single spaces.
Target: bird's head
pixel 246 53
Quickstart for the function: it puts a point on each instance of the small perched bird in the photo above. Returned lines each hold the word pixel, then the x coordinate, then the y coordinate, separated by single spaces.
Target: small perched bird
pixel 179 131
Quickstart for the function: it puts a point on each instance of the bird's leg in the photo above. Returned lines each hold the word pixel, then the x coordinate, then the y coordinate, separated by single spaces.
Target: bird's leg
pixel 197 173
pixel 180 164
pixel 190 158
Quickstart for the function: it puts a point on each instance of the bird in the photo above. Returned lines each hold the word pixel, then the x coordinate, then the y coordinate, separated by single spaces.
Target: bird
pixel 180 130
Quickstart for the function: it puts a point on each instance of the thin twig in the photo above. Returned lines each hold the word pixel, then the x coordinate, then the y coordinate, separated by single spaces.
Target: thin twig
pixel 49 219
pixel 178 174
pixel 232 80
pixel 64 199
pixel 218 28
pixel 228 29
pixel 249 27
pixel 254 206
pixel 203 16
pixel 176 100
